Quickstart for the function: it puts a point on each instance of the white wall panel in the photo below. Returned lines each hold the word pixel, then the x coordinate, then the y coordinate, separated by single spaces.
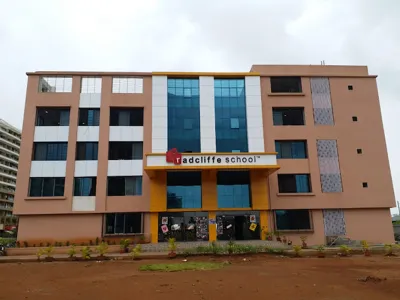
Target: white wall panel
pixel 48 168
pixel 255 134
pixel 88 134
pixel 86 168
pixel 90 100
pixel 51 134
pixel 159 114
pixel 84 203
pixel 125 168
pixel 126 134
pixel 207 114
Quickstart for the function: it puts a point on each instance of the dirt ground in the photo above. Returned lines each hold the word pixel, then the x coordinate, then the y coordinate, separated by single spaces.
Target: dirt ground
pixel 261 277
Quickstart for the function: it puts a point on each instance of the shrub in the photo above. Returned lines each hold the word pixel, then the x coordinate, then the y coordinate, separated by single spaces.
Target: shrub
pixel 297 250
pixel 321 248
pixel 71 251
pixel 135 253
pixel 86 251
pixel 49 251
pixel 102 248
pixel 124 243
pixel 97 241
pixel 345 250
pixel 172 245
pixel 39 253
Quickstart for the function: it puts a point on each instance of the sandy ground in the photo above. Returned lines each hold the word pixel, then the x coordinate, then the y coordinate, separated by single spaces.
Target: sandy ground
pixel 260 277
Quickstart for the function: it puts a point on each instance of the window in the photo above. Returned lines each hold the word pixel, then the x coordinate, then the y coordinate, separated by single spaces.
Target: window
pixel 359 151
pixel 87 150
pixel 350 87
pixel 55 84
pixel 288 116
pixel 46 187
pixel 52 116
pixel 286 84
pixel 50 151
pixel 127 85
pixel 355 119
pixel 183 114
pixel 89 117
pixel 126 116
pixel 123 223
pixel 234 123
pixel 183 190
pixel 124 186
pixel 85 186
pixel 293 219
pixel 91 85
pixel 233 189
pixel 230 115
pixel 291 149
pixel 125 150
pixel 365 184
pixel 294 183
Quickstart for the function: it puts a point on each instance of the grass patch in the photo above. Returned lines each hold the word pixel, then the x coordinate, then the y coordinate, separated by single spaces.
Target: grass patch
pixel 177 267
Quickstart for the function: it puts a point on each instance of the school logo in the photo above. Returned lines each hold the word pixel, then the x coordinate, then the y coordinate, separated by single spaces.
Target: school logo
pixel 173 156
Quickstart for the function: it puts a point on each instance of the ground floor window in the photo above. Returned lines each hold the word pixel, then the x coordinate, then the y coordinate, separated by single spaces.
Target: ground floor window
pixel 183 226
pixel 183 190
pixel 233 189
pixel 294 219
pixel 123 223
pixel 238 225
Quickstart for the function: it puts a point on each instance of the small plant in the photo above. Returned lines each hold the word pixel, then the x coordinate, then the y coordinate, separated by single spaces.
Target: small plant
pixel 18 244
pixel 289 242
pixel 26 244
pixel 48 244
pixel 41 245
pixel 321 251
pixel 365 248
pixel 90 243
pixel 268 236
pixel 297 249
pixel 124 245
pixel 345 250
pixel 216 249
pixel 389 249
pixel 142 239
pixel 67 243
pixel 102 249
pixel 86 251
pixel 49 253
pixel 172 247
pixel 135 253
pixel 39 254
pixel 231 246
pixel 284 239
pixel 72 252
pixel 97 241
pixel 303 241
pixel 278 236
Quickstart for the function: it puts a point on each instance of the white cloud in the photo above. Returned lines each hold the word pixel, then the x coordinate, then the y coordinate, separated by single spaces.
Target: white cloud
pixel 223 35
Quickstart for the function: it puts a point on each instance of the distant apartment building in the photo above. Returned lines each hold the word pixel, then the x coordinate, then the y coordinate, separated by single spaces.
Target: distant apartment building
pixel 298 150
pixel 10 141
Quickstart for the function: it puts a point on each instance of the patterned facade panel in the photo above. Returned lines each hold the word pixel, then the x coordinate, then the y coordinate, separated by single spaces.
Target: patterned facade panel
pixel 321 98
pixel 329 168
pixel 331 183
pixel 334 223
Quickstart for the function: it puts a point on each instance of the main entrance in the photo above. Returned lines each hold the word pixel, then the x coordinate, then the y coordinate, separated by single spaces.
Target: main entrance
pixel 239 225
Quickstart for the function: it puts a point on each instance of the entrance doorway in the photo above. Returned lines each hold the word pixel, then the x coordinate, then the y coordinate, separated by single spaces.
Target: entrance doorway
pixel 236 226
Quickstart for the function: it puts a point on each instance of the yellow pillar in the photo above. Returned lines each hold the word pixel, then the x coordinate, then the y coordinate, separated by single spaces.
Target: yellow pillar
pixel 212 228
pixel 263 223
pixel 154 227
pixel 158 192
pixel 259 190
pixel 209 190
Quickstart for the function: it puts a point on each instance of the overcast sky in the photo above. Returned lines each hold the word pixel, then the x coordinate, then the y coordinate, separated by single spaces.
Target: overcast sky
pixel 206 35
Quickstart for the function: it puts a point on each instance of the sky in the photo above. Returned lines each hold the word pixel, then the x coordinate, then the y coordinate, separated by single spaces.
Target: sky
pixel 206 35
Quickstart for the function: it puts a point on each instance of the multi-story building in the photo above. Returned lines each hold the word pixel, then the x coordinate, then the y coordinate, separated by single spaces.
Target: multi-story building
pixel 298 150
pixel 10 140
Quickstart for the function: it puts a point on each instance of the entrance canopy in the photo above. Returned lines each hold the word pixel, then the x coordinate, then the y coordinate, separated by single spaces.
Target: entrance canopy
pixel 175 161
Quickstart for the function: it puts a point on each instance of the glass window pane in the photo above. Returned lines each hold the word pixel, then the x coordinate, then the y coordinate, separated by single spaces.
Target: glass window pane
pixel 110 223
pixel 119 223
pixel 35 189
pixel 48 187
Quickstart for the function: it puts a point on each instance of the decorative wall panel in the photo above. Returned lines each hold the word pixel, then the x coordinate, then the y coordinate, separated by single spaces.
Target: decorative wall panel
pixel 321 98
pixel 334 222
pixel 329 169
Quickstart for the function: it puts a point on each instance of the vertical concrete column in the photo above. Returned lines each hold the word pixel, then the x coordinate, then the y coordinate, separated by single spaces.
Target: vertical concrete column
pixel 209 190
pixel 207 114
pixel 263 223
pixel 212 228
pixel 154 227
pixel 255 128
pixel 259 190
pixel 159 141
pixel 158 192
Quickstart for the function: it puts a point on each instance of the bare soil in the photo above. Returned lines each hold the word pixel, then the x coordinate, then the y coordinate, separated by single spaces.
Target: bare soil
pixel 256 277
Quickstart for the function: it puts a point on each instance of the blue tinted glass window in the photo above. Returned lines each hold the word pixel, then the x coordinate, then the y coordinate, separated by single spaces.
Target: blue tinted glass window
pixel 85 186
pixel 50 151
pixel 233 189
pixel 183 190
pixel 291 149
pixel 183 115
pixel 230 115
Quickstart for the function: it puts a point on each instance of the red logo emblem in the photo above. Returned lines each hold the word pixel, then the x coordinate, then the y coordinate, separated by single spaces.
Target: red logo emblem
pixel 173 156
